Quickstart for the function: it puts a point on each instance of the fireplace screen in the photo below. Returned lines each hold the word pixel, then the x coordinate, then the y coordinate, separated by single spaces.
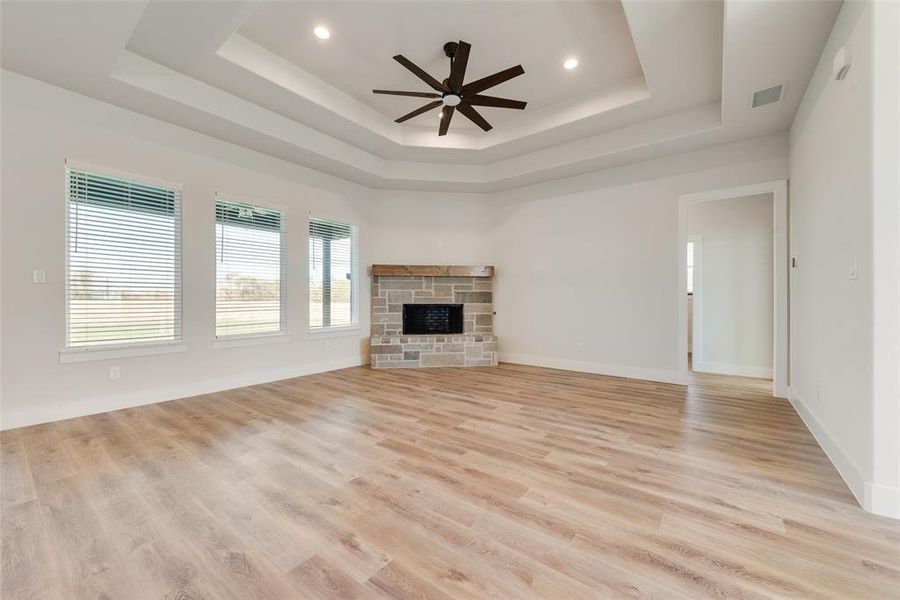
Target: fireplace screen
pixel 425 319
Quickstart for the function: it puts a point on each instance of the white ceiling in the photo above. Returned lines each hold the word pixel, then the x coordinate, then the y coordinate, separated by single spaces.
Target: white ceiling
pixel 365 35
pixel 654 78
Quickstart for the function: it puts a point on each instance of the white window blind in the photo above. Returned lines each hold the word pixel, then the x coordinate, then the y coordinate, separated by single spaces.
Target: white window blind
pixel 250 297
pixel 123 261
pixel 333 274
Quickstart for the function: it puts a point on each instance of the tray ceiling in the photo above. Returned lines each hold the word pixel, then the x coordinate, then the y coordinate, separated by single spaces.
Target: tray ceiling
pixel 365 35
pixel 654 77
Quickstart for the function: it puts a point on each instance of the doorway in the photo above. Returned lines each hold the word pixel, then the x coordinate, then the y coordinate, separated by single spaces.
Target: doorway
pixel 740 286
pixel 730 299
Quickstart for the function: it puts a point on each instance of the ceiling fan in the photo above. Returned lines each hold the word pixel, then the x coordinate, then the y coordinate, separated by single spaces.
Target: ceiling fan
pixel 452 94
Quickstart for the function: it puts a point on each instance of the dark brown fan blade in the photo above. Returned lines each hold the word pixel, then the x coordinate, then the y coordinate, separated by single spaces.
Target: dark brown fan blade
pixel 484 83
pixel 478 100
pixel 446 115
pixel 411 94
pixel 460 60
pixel 473 116
pixel 419 111
pixel 431 81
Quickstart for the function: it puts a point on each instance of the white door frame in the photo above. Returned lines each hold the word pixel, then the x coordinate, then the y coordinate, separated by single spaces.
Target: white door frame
pixel 780 350
pixel 697 324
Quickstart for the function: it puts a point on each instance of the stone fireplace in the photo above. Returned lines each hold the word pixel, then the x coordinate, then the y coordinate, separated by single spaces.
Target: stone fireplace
pixel 432 316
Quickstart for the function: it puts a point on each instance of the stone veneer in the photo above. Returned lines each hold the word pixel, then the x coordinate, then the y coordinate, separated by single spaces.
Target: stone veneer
pixel 476 346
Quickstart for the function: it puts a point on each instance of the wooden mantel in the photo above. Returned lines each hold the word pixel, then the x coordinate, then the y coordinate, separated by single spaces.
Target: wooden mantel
pixel 434 270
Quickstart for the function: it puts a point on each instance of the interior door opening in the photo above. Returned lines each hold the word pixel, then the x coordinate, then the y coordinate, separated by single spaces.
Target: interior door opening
pixel 729 280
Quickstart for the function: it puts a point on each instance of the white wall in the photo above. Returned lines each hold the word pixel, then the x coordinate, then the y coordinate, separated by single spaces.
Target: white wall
pixel 885 494
pixel 42 127
pixel 594 260
pixel 734 293
pixel 833 317
pixel 431 228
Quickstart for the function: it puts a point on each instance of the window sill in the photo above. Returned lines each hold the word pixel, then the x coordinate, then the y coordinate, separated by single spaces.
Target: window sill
pixel 74 355
pixel 345 330
pixel 249 340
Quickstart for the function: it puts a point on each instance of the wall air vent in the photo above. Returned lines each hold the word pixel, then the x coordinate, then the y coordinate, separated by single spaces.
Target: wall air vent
pixel 767 96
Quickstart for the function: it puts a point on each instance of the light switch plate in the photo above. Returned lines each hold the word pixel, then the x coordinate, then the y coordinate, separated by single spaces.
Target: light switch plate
pixel 853 271
pixel 39 276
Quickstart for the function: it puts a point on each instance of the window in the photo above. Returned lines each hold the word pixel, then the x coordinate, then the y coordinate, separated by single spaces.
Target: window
pixel 690 267
pixel 249 269
pixel 332 274
pixel 123 261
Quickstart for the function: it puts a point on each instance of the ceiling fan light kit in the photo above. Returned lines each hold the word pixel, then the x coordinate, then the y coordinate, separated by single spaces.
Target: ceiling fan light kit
pixel 453 93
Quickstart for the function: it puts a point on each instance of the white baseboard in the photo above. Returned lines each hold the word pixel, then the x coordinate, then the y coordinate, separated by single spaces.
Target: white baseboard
pixel 732 369
pixel 879 499
pixel 92 406
pixel 660 375
pixel 845 465
pixel 882 500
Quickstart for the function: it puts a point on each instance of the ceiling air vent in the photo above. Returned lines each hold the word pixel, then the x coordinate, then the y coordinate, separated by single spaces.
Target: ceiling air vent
pixel 767 96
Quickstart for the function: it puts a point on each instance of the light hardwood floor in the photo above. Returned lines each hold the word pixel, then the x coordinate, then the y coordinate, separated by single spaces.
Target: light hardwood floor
pixel 512 482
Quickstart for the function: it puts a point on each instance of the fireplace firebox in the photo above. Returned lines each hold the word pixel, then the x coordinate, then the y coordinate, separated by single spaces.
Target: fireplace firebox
pixel 431 319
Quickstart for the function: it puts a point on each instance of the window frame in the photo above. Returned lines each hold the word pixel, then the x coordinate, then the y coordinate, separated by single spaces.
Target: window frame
pixel 252 339
pixel 353 326
pixel 115 349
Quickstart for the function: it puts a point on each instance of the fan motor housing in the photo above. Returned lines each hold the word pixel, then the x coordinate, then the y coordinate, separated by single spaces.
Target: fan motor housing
pixel 450 49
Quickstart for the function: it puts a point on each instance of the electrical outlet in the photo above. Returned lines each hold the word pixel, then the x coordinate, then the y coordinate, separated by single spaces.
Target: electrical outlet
pixel 853 269
pixel 39 276
pixel 439 243
pixel 580 347
pixel 114 372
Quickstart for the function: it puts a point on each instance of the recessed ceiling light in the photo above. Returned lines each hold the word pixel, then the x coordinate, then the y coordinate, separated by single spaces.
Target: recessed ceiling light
pixel 570 64
pixel 322 32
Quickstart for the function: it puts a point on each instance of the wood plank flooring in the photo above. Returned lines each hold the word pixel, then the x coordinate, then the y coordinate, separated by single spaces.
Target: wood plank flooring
pixel 508 482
